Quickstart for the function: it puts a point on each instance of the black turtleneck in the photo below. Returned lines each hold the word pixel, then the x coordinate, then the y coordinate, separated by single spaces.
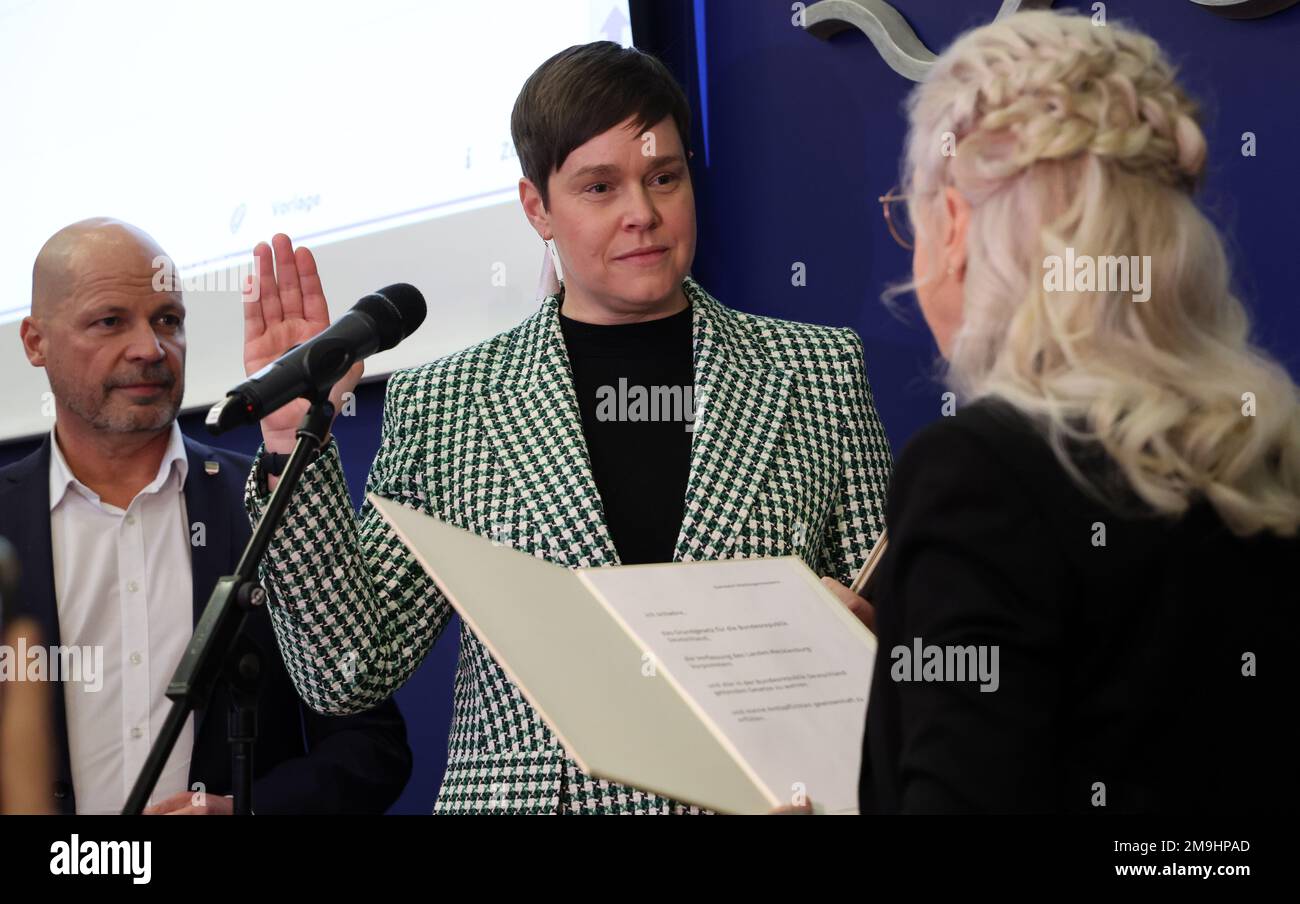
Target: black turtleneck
pixel 635 384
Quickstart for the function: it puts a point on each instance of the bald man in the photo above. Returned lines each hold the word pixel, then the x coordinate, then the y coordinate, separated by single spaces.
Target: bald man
pixel 123 526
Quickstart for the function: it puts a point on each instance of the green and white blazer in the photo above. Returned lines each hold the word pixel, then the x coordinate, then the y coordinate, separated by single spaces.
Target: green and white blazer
pixel 788 457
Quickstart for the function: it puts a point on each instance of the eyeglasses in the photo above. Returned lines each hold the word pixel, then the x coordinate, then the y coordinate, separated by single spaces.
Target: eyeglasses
pixel 900 224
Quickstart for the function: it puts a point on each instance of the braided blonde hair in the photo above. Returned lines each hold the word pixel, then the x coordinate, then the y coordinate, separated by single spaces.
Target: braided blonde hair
pixel 1069 135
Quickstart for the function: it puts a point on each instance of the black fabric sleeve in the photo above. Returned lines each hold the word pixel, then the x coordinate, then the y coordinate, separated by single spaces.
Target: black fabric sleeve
pixel 354 764
pixel 972 561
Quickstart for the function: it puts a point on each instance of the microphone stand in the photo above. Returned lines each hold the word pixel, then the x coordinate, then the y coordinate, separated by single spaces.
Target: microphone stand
pixel 218 652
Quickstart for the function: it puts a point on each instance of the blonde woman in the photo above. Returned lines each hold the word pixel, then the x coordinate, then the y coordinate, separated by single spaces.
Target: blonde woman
pixel 1081 606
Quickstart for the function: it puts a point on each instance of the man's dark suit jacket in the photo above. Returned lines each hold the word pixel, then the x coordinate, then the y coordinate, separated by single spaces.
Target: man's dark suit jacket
pixel 1121 665
pixel 303 762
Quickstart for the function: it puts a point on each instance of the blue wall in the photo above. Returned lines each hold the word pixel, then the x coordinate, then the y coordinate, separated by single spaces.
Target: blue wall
pixel 803 135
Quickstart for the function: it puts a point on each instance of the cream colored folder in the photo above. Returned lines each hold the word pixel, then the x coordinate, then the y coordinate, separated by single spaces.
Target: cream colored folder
pixel 737 685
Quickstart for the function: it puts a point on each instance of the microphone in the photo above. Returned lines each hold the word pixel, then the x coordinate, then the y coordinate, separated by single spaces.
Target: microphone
pixel 9 574
pixel 374 324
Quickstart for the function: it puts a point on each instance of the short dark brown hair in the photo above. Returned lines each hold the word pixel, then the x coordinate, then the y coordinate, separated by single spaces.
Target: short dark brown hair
pixel 584 91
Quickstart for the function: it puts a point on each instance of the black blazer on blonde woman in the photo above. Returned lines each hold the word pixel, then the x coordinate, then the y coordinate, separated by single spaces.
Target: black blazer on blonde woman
pixel 1123 669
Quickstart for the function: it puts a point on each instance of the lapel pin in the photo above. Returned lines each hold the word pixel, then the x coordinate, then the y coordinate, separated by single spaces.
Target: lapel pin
pixel 211 467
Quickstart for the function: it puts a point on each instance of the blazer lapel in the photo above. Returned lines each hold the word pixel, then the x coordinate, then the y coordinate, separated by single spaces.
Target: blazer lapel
pixel 25 522
pixel 207 517
pixel 741 399
pixel 531 413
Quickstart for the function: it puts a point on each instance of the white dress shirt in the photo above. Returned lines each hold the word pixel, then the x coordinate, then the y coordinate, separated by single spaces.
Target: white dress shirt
pixel 122 580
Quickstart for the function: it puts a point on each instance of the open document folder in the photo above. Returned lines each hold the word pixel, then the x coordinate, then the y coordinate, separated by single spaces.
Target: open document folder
pixel 739 685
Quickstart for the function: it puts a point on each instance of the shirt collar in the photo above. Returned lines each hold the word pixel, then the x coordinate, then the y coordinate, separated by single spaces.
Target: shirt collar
pixel 174 461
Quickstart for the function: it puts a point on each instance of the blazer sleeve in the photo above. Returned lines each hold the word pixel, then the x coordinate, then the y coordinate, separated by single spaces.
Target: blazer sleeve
pixel 858 515
pixel 355 764
pixel 354 613
pixel 972 561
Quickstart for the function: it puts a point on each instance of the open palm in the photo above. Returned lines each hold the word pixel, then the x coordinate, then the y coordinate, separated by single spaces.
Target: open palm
pixel 285 307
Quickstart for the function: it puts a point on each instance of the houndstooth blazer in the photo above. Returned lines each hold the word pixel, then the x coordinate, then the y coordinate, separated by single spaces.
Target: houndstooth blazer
pixel 788 457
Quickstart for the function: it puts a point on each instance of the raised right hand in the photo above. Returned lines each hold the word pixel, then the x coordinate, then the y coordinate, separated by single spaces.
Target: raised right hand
pixel 287 308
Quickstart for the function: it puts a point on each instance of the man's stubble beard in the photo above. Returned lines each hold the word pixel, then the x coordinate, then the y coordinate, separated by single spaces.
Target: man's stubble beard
pixel 98 410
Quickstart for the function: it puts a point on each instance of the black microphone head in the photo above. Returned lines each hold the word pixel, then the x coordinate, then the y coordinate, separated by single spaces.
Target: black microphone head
pixel 397 310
